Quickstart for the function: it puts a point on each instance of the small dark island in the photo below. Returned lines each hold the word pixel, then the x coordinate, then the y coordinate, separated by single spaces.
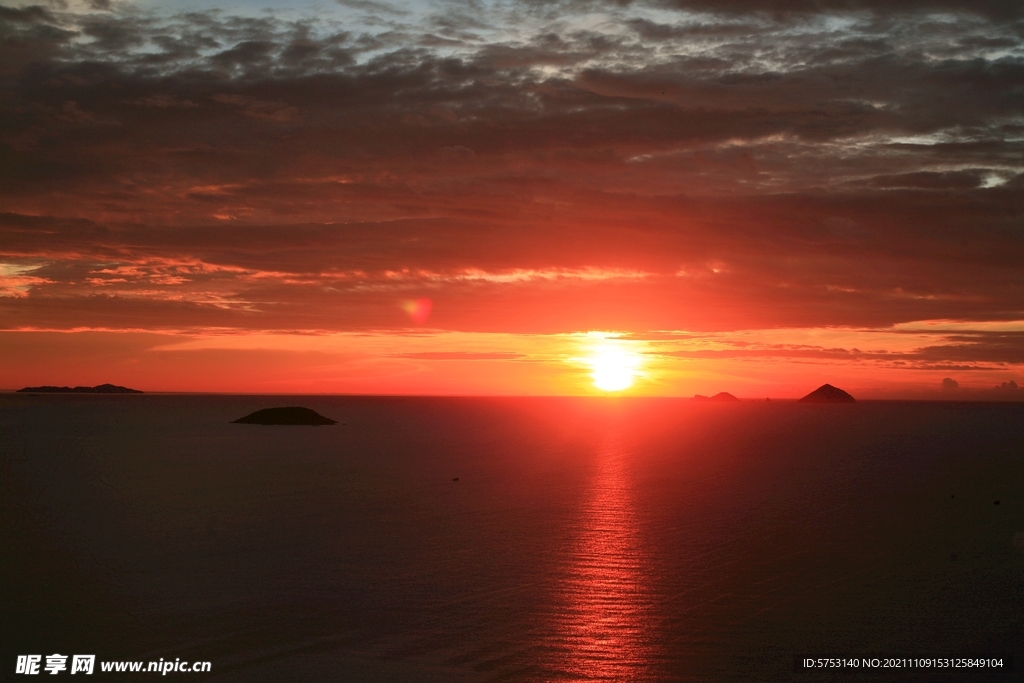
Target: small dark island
pixel 285 416
pixel 723 396
pixel 827 393
pixel 100 389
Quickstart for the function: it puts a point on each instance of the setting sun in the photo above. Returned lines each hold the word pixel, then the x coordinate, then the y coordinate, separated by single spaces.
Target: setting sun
pixel 613 367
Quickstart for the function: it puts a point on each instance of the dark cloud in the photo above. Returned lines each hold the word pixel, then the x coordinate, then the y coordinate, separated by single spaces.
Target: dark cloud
pixel 373 6
pixel 996 9
pixel 750 166
pixel 992 347
pixel 931 180
pixel 1004 391
pixel 33 14
pixel 977 351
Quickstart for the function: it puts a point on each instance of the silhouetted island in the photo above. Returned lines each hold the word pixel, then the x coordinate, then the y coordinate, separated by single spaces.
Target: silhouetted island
pixel 721 396
pixel 285 416
pixel 101 389
pixel 827 393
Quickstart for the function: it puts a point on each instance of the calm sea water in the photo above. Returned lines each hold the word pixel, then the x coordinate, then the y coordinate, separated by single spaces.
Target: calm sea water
pixel 585 539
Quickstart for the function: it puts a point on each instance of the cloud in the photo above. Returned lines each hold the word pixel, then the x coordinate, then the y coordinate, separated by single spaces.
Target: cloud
pixel 928 345
pixel 460 355
pixel 930 180
pixel 258 109
pixel 1009 389
pixel 997 9
pixel 700 166
pixel 15 280
pixel 372 6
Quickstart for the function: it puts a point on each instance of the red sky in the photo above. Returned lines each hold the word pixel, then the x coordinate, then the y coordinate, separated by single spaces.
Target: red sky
pixel 746 197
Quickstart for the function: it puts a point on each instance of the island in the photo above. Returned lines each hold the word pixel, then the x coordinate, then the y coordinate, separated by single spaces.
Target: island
pixel 100 389
pixel 292 415
pixel 721 396
pixel 827 393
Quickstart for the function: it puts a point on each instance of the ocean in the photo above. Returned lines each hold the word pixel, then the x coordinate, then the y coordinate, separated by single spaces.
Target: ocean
pixel 512 539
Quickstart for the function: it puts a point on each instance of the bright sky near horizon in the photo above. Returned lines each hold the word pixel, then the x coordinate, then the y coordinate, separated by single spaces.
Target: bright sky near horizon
pixel 657 197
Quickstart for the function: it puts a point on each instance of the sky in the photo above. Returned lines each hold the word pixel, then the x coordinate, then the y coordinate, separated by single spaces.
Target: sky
pixel 511 197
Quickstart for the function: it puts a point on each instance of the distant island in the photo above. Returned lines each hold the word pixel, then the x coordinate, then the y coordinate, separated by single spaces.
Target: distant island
pixel 293 415
pixel 827 393
pixel 101 389
pixel 721 396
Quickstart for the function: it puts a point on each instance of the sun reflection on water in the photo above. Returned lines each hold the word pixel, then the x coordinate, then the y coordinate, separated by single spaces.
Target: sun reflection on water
pixel 603 626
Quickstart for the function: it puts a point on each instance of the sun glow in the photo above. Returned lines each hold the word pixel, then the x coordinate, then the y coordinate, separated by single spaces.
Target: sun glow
pixel 614 367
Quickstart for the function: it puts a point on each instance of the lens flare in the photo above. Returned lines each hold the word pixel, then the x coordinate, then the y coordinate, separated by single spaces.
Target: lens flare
pixel 418 310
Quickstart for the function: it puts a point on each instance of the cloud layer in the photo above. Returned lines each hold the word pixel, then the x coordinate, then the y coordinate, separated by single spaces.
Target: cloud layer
pixel 693 165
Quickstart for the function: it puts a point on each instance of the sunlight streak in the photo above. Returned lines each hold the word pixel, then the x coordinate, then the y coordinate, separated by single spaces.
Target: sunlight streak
pixel 604 630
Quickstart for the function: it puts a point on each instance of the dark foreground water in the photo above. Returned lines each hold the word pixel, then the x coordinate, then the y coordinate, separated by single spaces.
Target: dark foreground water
pixel 585 539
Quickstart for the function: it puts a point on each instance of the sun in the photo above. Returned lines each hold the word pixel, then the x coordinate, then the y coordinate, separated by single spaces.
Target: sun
pixel 613 367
